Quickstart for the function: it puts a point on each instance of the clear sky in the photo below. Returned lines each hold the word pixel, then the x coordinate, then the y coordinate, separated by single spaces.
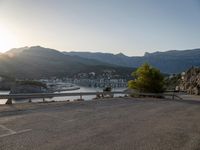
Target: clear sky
pixel 128 26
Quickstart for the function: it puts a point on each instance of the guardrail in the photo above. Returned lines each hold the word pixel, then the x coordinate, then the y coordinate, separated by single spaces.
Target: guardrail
pixel 81 94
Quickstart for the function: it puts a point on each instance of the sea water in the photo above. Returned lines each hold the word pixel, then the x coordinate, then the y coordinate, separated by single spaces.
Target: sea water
pixel 65 98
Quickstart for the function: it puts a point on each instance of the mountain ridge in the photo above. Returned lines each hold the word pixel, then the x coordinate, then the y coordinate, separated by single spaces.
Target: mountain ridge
pixel 15 61
pixel 172 61
pixel 40 62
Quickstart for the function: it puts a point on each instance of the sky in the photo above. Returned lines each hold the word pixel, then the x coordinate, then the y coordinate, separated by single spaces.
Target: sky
pixel 128 26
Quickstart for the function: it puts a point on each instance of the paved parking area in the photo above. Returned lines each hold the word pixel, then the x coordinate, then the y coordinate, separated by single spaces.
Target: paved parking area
pixel 118 123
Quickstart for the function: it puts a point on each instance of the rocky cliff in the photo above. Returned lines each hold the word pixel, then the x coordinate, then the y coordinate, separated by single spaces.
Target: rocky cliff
pixel 190 81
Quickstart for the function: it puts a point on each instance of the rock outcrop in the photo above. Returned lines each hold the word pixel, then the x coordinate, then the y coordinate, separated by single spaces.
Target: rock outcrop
pixel 28 87
pixel 190 81
pixel 20 89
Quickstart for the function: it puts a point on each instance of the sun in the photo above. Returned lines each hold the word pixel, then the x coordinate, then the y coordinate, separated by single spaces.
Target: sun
pixel 7 39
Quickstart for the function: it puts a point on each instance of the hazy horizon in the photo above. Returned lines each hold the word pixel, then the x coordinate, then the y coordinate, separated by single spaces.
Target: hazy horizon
pixel 132 27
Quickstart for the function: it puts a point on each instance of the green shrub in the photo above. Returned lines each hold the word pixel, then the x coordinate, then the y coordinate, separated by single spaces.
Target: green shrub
pixel 147 79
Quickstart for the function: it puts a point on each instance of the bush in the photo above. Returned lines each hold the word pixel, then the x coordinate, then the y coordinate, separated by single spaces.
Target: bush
pixel 147 79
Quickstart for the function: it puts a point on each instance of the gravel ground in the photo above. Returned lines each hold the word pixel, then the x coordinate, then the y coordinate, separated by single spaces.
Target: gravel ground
pixel 112 124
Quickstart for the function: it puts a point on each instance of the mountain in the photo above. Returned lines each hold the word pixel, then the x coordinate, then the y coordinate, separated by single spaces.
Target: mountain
pixel 174 61
pixel 40 62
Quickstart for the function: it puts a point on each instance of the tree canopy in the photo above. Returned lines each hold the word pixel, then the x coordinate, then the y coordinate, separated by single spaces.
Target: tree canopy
pixel 147 79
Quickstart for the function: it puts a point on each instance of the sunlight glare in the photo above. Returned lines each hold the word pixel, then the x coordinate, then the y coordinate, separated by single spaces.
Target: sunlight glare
pixel 7 40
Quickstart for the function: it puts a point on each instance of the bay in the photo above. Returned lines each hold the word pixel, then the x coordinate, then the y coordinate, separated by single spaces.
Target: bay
pixel 65 98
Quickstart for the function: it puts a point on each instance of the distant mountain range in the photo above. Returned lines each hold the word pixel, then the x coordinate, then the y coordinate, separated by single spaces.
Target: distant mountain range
pixel 40 62
pixel 174 61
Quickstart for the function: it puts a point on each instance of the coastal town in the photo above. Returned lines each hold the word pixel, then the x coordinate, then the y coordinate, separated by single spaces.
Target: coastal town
pixel 87 80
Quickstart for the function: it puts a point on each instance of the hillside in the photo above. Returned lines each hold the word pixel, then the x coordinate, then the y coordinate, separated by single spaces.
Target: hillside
pixel 173 61
pixel 39 62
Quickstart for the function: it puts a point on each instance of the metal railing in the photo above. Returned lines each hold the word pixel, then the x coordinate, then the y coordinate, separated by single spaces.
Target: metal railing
pixel 30 96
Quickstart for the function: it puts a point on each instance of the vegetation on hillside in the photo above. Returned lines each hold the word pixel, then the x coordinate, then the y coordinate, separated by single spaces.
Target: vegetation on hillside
pixel 6 82
pixel 147 79
pixel 31 83
pixel 28 86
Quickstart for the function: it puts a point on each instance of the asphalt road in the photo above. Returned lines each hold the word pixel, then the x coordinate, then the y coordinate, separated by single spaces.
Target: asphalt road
pixel 114 124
